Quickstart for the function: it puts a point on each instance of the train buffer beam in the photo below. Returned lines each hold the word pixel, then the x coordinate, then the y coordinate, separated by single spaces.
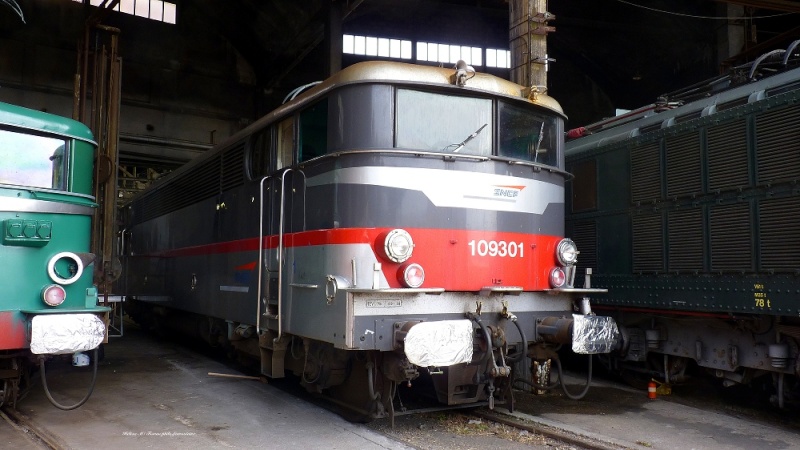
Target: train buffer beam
pixel 115 323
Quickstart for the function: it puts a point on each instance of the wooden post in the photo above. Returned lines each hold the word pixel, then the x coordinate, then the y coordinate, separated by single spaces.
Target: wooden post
pixel 333 38
pixel 528 41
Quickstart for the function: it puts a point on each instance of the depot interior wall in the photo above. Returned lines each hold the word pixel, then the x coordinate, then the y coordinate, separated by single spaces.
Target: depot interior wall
pixel 179 82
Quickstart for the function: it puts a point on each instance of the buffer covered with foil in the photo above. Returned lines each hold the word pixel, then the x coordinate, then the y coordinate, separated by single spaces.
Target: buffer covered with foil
pixel 439 344
pixel 593 334
pixel 55 334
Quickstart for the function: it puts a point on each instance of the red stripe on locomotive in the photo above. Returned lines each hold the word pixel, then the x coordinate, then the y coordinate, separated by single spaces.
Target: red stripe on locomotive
pixel 465 260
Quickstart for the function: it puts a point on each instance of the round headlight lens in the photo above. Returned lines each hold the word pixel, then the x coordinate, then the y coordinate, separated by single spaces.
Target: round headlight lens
pixel 54 295
pixel 567 252
pixel 413 275
pixel 65 268
pixel 398 245
pixel 557 277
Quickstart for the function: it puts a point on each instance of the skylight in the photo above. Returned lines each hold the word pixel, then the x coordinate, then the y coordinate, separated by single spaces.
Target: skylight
pixel 150 9
pixel 425 51
pixel 429 51
pixel 375 46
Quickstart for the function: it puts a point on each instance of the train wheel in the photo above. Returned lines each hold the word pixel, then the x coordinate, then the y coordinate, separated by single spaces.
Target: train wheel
pixel 362 403
pixel 12 374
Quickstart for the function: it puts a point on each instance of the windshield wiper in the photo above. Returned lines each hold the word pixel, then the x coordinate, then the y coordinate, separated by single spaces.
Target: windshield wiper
pixel 469 138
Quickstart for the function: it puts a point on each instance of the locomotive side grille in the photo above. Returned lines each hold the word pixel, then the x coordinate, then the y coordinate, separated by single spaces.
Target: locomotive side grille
pixel 731 238
pixel 233 168
pixel 727 156
pixel 585 237
pixel 683 165
pixel 780 233
pixel 685 233
pixel 203 183
pixel 584 186
pixel 778 133
pixel 645 173
pixel 648 246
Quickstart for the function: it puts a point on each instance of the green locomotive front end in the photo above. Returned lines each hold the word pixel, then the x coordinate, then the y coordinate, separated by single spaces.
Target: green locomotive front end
pixel 48 303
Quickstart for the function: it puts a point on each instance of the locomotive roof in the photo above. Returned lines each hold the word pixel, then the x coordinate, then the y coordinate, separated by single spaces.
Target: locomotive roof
pixel 630 125
pixel 397 72
pixel 31 119
pixel 375 72
pixel 409 74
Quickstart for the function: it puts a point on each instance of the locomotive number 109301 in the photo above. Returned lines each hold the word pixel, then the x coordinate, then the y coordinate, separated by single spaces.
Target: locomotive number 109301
pixel 502 249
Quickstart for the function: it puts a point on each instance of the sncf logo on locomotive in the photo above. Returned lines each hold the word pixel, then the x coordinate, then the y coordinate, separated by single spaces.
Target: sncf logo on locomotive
pixel 507 191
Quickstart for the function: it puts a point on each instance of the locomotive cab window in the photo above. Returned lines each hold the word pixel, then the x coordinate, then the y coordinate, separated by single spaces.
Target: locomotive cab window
pixel 443 123
pixel 529 135
pixel 285 143
pixel 261 145
pixel 361 117
pixel 313 131
pixel 33 161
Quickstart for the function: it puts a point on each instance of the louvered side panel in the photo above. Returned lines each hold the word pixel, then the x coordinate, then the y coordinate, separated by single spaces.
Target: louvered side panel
pixel 648 245
pixel 685 233
pixel 184 191
pixel 778 135
pixel 233 168
pixel 727 156
pixel 584 234
pixel 779 221
pixel 683 165
pixel 731 238
pixel 645 173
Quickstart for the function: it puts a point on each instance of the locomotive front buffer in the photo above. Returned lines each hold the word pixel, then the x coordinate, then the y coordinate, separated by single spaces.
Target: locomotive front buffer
pixel 474 350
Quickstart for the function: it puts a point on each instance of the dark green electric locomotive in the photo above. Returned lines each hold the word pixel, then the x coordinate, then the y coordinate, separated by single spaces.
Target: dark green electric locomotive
pixel 690 210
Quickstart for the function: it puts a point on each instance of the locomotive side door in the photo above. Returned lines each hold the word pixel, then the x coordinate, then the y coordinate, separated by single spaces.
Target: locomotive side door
pixel 275 192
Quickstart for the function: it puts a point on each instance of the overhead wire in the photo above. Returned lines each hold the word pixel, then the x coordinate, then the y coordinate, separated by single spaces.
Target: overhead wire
pixel 15 6
pixel 692 16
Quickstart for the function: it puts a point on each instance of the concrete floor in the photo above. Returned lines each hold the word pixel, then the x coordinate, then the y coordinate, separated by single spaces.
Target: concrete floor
pixel 695 416
pixel 150 395
pixel 157 395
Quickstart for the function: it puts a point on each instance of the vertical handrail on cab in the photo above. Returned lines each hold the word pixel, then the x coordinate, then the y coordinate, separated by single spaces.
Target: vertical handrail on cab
pixel 279 251
pixel 260 251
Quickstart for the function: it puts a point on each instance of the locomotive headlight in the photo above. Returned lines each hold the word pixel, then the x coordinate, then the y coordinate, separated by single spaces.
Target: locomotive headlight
pixel 557 277
pixel 65 268
pixel 54 295
pixel 413 275
pixel 567 252
pixel 398 245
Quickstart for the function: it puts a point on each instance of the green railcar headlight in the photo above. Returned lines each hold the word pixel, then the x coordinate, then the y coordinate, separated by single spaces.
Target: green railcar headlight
pixel 65 268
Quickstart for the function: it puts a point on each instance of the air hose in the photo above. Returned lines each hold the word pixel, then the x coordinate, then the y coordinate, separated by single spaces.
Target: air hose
pixel 561 382
pixel 564 386
pixel 83 400
pixel 518 356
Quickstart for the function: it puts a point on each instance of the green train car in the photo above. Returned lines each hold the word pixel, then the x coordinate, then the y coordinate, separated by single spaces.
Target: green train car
pixel 690 210
pixel 48 303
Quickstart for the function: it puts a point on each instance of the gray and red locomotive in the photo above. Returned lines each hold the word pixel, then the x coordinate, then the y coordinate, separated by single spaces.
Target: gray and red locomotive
pixel 394 221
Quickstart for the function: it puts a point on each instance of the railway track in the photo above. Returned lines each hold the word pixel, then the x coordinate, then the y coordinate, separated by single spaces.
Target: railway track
pixel 532 425
pixel 27 435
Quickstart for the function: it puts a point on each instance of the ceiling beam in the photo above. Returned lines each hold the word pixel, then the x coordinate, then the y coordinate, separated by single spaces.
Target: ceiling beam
pixel 775 5
pixel 304 50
